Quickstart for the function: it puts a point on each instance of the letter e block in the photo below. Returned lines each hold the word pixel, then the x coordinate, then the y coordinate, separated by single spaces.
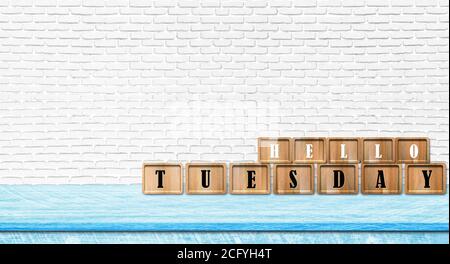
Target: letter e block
pixel 413 150
pixel 343 150
pixel 162 178
pixel 206 178
pixel 426 178
pixel 338 179
pixel 274 150
pixel 249 178
pixel 294 179
pixel 309 150
pixel 378 150
pixel 381 179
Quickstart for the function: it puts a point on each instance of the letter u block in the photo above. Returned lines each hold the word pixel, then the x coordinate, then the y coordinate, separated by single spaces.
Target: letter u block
pixel 249 178
pixel 162 178
pixel 413 150
pixel 274 150
pixel 338 179
pixel 206 178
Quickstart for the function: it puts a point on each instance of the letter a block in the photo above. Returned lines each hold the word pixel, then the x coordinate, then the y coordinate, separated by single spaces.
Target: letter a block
pixel 206 178
pixel 426 178
pixel 162 178
pixel 309 150
pixel 413 150
pixel 343 150
pixel 381 179
pixel 274 150
pixel 250 178
pixel 294 179
pixel 338 179
pixel 378 150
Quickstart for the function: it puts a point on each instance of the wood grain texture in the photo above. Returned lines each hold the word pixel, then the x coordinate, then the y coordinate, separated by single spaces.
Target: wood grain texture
pixel 352 147
pixel 387 150
pixel 305 179
pixel 284 150
pixel 124 208
pixel 239 178
pixel 217 182
pixel 325 179
pixel 319 147
pixel 415 180
pixel 403 150
pixel 172 180
pixel 392 179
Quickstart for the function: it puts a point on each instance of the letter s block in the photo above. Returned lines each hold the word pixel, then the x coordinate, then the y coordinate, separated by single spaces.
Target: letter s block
pixel 274 150
pixel 413 150
pixel 162 178
pixel 338 179
pixel 206 178
pixel 249 178
pixel 293 178
pixel 426 178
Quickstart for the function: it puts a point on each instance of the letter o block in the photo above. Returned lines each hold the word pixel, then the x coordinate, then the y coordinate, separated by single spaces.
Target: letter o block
pixel 249 178
pixel 162 178
pixel 338 179
pixel 413 150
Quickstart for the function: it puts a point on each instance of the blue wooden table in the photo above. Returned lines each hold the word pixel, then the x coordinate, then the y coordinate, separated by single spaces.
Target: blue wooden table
pixel 123 208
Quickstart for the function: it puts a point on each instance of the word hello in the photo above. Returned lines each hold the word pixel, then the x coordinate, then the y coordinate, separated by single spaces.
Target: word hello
pixel 290 162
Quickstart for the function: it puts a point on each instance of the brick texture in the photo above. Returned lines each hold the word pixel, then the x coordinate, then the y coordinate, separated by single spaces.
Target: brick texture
pixel 90 89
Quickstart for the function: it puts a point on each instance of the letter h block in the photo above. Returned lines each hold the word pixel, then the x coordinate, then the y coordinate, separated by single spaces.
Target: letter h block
pixel 274 150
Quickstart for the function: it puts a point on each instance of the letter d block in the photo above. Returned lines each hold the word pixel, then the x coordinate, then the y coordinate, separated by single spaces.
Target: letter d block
pixel 338 179
pixel 162 178
pixel 250 178
pixel 206 178
pixel 413 150
pixel 426 178
pixel 381 179
pixel 274 150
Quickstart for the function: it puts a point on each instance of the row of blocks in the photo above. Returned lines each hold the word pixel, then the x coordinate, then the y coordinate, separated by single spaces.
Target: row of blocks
pixel 344 150
pixel 381 161
pixel 254 178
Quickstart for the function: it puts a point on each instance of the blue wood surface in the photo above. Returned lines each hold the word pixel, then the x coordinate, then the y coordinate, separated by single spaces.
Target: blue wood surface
pixel 125 208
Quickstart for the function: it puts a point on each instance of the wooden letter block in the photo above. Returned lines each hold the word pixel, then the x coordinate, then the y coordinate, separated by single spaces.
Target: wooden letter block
pixel 381 179
pixel 294 179
pixel 162 178
pixel 426 178
pixel 343 150
pixel 378 150
pixel 274 150
pixel 413 150
pixel 250 178
pixel 338 179
pixel 309 150
pixel 206 178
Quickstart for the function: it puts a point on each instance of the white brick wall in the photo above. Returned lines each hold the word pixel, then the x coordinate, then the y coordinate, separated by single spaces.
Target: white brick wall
pixel 89 89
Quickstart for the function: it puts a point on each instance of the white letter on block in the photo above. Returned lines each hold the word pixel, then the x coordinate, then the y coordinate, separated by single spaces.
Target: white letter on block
pixel 343 154
pixel 377 152
pixel 274 151
pixel 309 151
pixel 414 151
